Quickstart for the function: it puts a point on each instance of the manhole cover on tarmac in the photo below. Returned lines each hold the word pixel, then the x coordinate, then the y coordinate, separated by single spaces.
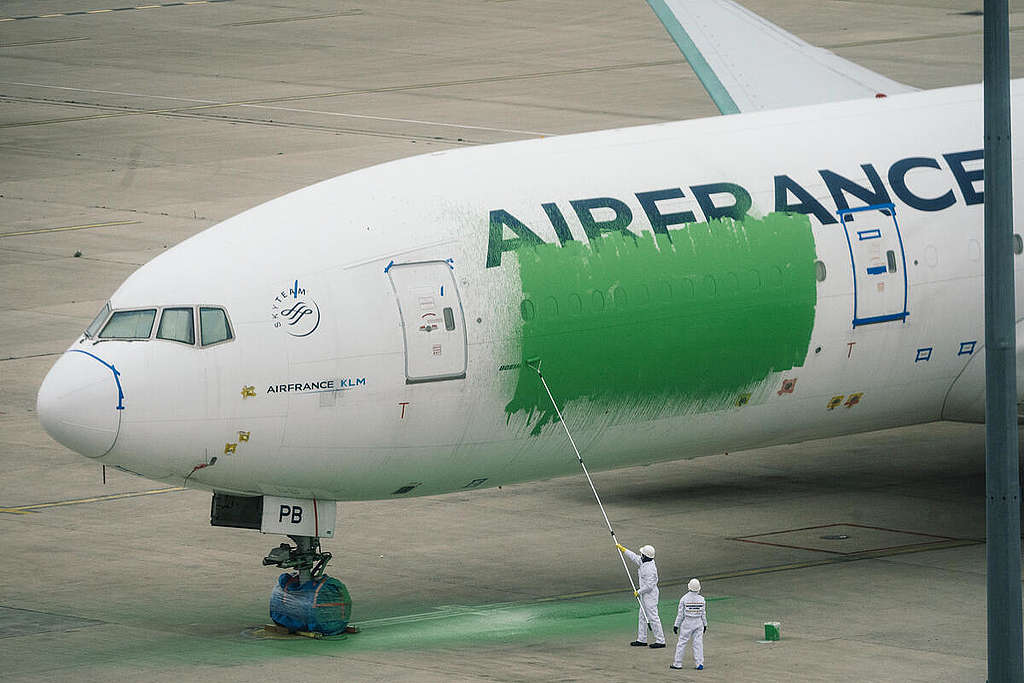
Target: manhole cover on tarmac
pixel 844 539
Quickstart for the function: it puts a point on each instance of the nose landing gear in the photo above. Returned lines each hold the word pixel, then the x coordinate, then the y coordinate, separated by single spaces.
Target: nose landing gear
pixel 305 556
pixel 307 600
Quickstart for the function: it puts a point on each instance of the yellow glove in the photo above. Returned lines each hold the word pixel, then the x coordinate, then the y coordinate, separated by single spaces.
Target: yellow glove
pixel 621 547
pixel 636 594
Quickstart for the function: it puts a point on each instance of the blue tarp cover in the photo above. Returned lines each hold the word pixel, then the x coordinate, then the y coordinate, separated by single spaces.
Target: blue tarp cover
pixel 319 606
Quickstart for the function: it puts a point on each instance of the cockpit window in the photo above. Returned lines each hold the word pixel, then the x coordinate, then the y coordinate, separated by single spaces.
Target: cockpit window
pixel 176 324
pixel 129 325
pixel 213 325
pixel 100 318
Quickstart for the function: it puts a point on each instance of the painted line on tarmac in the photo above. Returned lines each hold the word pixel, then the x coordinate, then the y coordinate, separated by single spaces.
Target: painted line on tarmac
pixel 29 509
pixel 112 9
pixel 257 22
pixel 67 227
pixel 408 87
pixel 247 104
pixel 911 39
pixel 854 557
pixel 44 42
pixel 32 355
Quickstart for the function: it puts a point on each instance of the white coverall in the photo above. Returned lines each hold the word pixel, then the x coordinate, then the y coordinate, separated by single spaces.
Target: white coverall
pixel 647 576
pixel 691 621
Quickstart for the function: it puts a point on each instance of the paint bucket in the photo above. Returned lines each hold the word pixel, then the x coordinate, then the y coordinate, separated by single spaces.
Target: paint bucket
pixel 772 630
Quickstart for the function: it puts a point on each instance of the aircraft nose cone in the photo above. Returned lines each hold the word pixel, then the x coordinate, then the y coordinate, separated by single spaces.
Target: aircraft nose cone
pixel 78 403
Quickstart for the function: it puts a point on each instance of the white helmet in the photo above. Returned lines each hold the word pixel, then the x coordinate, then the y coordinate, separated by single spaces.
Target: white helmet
pixel 647 551
pixel 694 585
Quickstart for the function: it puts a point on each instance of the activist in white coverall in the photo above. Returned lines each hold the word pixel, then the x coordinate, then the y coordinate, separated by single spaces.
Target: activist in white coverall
pixel 647 591
pixel 691 622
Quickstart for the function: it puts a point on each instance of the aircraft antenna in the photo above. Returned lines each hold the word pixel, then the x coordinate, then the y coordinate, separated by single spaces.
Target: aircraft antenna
pixel 535 364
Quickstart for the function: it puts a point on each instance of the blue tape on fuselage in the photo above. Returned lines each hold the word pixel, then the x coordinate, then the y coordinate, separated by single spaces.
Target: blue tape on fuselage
pixel 117 375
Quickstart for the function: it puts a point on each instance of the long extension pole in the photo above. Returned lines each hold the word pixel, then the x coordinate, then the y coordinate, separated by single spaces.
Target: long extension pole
pixel 1002 509
pixel 592 488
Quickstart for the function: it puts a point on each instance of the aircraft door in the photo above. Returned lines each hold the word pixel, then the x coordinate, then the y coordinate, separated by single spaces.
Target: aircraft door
pixel 433 323
pixel 879 264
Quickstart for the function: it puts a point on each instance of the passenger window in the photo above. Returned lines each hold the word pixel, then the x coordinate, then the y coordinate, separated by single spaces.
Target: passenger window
pixel 100 318
pixel 619 297
pixel 890 257
pixel 129 325
pixel 213 326
pixel 176 324
pixel 710 286
pixel 754 278
pixel 550 309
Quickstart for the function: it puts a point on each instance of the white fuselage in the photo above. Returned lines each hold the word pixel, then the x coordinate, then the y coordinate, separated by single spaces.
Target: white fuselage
pixel 369 390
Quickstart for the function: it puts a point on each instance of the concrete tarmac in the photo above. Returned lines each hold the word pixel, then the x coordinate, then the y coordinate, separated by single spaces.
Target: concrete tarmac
pixel 126 128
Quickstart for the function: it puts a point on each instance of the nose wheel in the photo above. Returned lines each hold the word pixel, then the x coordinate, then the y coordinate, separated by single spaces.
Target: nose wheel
pixel 307 600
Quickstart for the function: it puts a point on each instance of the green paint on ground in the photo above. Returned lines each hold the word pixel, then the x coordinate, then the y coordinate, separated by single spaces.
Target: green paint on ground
pixel 681 322
pixel 499 624
pixel 99 651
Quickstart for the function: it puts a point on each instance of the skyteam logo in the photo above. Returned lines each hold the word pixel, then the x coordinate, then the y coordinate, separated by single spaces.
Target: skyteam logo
pixel 295 311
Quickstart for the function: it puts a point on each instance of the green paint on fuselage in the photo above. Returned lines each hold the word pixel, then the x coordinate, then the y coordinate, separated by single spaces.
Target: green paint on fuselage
pixel 684 322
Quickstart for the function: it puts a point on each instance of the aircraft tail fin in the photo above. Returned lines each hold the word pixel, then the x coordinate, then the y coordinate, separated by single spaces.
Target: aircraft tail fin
pixel 746 63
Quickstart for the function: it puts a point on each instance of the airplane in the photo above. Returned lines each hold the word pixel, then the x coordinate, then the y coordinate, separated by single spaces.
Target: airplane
pixel 806 265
